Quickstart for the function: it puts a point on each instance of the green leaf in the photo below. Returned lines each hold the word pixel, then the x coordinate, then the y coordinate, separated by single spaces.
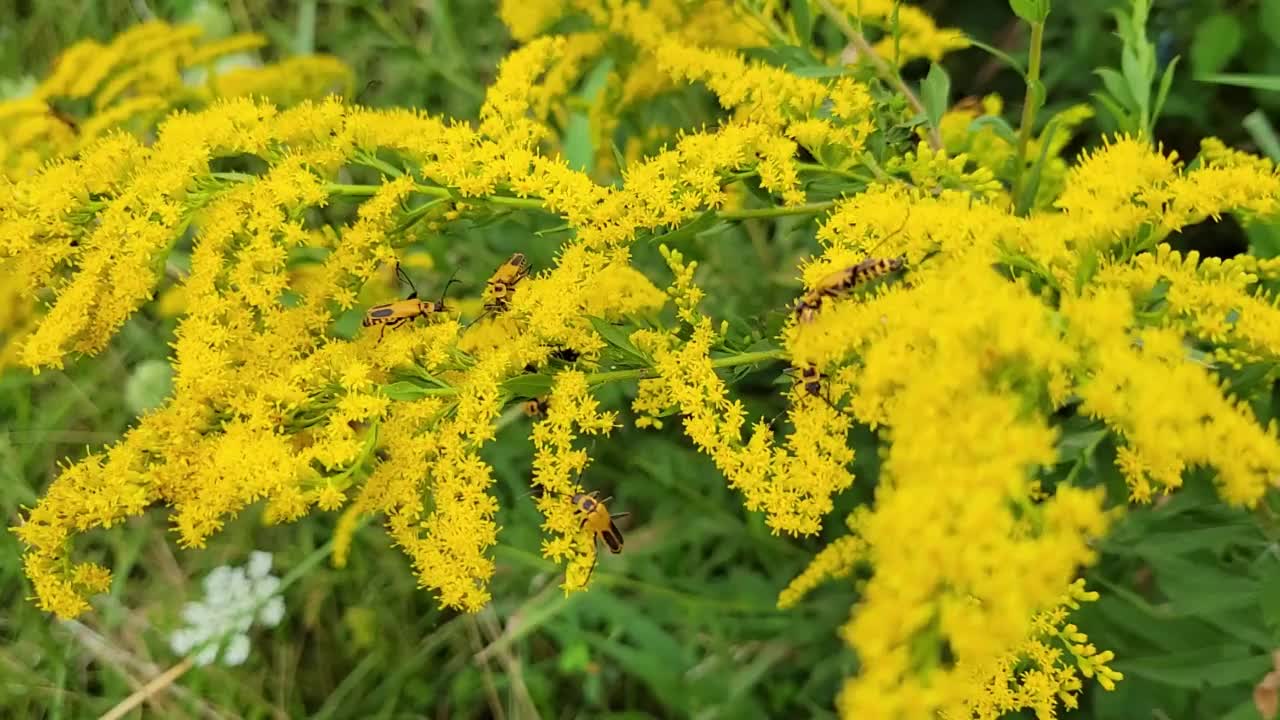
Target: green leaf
pixel 1137 77
pixel 823 71
pixel 528 386
pixel 935 93
pixel 1086 269
pixel 1217 40
pixel 615 336
pixel 1198 587
pixel 1001 127
pixel 690 230
pixel 1269 601
pixel 1123 120
pixel 1115 84
pixel 1033 11
pixel 1027 199
pixel 1219 666
pixel 1166 81
pixel 1263 134
pixel 579 148
pixel 1187 540
pixel 1269 20
pixel 404 391
pixel 619 159
pixel 1257 82
pixel 1001 55
pixel 803 19
pixel 574 659
pixel 1264 239
pixel 148 386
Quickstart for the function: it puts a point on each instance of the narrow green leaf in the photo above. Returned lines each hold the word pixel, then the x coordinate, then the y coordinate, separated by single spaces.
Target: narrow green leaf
pixel 1085 271
pixel 1001 127
pixel 935 93
pixel 1269 601
pixel 579 141
pixel 1032 184
pixel 1123 119
pixel 1259 128
pixel 528 386
pixel 1001 55
pixel 691 229
pixel 1166 81
pixel 404 390
pixel 1269 20
pixel 803 18
pixel 1115 84
pixel 1030 10
pixel 1137 79
pixel 1219 666
pixel 619 159
pixel 1257 82
pixel 1217 40
pixel 615 336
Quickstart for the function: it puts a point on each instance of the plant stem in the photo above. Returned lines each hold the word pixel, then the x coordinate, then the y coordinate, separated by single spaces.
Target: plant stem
pixel 439 192
pixel 1029 106
pixel 882 68
pixel 601 378
pixel 537 203
pixel 144 693
pixel 814 167
pixel 806 209
pixel 750 358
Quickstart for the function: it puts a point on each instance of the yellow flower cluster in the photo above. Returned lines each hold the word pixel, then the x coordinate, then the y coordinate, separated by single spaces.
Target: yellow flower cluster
pixel 957 349
pixel 915 36
pixel 959 358
pixel 557 465
pixel 138 77
pixel 997 154
pixel 95 90
pixel 1041 672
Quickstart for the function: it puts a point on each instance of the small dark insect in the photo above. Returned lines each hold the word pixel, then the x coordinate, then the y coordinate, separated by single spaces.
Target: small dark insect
pixel 566 355
pixel 535 407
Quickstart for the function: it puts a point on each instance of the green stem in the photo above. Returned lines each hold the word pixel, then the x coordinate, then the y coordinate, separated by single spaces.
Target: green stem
pixel 806 209
pixel 351 190
pixel 814 167
pixel 537 203
pixel 750 358
pixel 1029 106
pixel 600 378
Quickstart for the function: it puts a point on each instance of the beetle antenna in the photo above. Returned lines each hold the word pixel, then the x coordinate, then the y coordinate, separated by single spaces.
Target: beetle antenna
pixel 901 227
pixel 453 278
pixel 475 320
pixel 400 272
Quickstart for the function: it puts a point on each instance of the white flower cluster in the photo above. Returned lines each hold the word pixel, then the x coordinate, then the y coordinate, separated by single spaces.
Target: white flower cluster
pixel 234 598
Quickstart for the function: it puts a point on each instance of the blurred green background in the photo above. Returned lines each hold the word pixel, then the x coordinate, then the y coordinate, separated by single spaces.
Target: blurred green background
pixel 683 623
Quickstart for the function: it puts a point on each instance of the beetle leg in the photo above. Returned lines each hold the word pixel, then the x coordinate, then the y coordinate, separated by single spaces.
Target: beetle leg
pixel 595 557
pixel 381 333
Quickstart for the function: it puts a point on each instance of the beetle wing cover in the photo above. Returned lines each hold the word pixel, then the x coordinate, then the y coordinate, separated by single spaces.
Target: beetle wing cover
pixel 612 538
